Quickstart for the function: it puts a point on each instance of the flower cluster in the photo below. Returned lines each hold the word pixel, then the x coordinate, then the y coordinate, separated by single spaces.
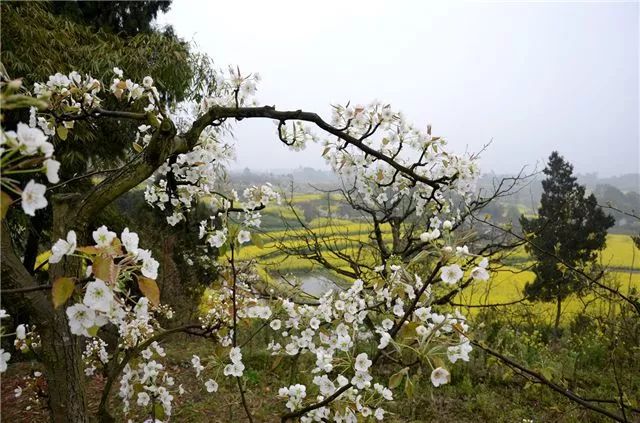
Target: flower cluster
pixel 232 89
pixel 156 385
pixel 236 367
pixel 336 328
pixel 94 355
pixel 198 173
pixel 5 356
pixel 215 231
pixel 72 93
pixel 130 91
pixel 388 132
pixel 189 177
pixel 27 150
pixel 26 338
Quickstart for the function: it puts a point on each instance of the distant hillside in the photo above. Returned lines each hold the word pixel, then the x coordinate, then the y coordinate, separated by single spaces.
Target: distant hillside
pixel 620 192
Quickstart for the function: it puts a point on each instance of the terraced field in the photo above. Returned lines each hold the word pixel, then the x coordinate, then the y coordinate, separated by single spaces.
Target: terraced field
pixel 506 285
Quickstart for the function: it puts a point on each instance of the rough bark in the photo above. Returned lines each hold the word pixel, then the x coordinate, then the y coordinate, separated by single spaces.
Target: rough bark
pixel 62 358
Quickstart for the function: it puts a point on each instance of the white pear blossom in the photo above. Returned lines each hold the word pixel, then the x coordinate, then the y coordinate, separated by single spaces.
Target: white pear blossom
pixel 21 332
pixel 275 324
pixel 63 247
pixel 130 241
pixel 30 140
pixel 234 369
pixel 143 399
pixel 150 268
pixel 459 352
pixel 430 236
pixel 81 318
pixel 195 362
pixel 52 167
pixel 217 239
pixel 361 380
pixel 439 376
pixel 480 274
pixel 244 237
pixel 451 274
pixel 98 296
pixel 33 197
pixel 211 385
pixel 147 81
pixel 4 358
pixel 362 362
pixel 103 236
pixel 385 338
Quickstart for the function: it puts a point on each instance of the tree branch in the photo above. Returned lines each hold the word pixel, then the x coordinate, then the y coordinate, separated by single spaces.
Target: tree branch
pixel 566 392
pixel 269 112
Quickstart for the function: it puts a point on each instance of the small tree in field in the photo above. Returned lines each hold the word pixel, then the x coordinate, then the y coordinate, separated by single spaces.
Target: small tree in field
pixel 569 225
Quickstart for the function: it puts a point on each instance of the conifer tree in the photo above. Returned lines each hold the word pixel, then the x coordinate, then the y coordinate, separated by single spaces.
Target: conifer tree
pixel 570 226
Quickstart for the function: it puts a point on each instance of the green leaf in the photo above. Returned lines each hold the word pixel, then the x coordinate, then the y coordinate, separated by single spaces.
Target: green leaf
pixel 224 249
pixel 150 289
pixel 158 411
pixel 408 388
pixel 93 330
pixel 437 361
pixel 62 132
pixel 153 120
pixel 137 147
pixel 257 240
pixel 396 379
pixel 61 290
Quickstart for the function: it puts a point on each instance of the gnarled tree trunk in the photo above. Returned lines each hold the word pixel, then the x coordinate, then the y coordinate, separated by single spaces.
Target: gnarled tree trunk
pixel 61 352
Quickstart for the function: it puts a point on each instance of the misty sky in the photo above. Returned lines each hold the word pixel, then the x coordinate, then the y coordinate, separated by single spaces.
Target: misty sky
pixel 532 77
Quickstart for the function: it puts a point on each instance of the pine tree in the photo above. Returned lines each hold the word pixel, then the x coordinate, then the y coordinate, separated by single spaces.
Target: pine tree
pixel 569 226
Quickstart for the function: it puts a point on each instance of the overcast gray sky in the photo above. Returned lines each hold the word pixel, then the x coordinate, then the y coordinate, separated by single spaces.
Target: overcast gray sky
pixel 532 77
